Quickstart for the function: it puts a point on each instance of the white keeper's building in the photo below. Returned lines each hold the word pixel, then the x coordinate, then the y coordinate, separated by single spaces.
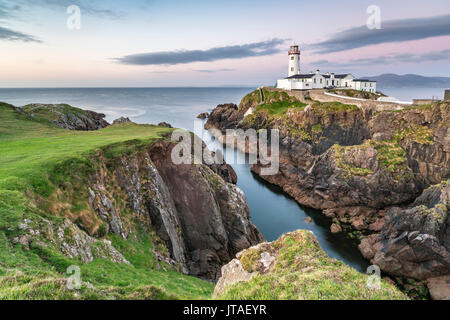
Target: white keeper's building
pixel 299 81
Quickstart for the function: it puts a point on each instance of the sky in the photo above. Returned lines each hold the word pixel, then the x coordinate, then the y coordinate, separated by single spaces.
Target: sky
pixel 153 43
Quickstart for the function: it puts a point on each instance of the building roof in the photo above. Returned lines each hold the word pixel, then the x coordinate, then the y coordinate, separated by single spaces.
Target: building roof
pixel 363 80
pixel 301 76
pixel 336 76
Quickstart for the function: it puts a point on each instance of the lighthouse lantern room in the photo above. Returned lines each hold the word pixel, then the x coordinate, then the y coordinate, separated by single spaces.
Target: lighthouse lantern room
pixel 294 60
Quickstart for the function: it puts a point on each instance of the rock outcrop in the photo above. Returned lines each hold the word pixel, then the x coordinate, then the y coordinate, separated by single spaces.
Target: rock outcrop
pixel 68 237
pixel 122 120
pixel 165 124
pixel 67 117
pixel 203 115
pixel 295 267
pixel 414 242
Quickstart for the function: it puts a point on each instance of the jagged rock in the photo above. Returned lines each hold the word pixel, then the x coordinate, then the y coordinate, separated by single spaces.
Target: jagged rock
pixel 335 228
pixel 165 124
pixel 415 242
pixel 67 117
pixel 224 116
pixel 203 115
pixel 232 273
pixel 68 238
pixel 122 120
pixel 225 171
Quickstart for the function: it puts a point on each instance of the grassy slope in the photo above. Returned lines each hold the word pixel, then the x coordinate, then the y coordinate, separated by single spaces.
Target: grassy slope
pixel 30 151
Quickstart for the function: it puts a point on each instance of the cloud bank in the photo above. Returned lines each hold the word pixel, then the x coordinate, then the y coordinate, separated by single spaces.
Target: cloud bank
pixel 391 31
pixel 389 59
pixel 87 7
pixel 215 70
pixel 256 49
pixel 11 35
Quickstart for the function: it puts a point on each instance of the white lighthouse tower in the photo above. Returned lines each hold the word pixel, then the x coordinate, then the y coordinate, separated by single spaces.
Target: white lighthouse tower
pixel 294 60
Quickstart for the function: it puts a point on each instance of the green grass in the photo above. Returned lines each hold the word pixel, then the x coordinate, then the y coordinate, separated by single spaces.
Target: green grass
pixel 36 159
pixel 343 152
pixel 390 156
pixel 276 103
pixel 419 134
pixel 357 93
pixel 321 108
pixel 44 113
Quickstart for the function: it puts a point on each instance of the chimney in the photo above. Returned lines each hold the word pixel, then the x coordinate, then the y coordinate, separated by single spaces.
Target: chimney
pixel 317 71
pixel 310 72
pixel 332 75
pixel 327 73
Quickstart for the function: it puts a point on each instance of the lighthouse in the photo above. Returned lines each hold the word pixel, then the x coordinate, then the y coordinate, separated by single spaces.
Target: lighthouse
pixel 294 60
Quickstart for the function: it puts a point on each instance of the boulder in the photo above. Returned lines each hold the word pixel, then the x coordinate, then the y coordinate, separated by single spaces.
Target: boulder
pixel 439 288
pixel 122 120
pixel 165 125
pixel 203 115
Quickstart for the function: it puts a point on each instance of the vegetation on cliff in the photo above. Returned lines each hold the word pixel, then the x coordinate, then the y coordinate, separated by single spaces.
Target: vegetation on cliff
pixel 357 94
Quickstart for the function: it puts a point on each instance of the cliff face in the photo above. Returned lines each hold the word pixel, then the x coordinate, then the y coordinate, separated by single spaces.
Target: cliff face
pixel 353 163
pixel 414 241
pixel 202 219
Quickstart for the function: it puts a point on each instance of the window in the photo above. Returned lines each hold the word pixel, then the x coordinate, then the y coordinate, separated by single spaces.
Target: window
pixel 320 80
pixel 315 80
pixel 292 69
pixel 292 57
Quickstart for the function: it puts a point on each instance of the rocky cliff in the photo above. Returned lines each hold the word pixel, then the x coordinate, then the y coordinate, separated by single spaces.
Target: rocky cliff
pixel 356 164
pixel 202 219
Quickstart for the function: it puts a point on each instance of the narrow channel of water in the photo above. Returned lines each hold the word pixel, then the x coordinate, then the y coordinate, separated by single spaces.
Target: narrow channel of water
pixel 275 213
